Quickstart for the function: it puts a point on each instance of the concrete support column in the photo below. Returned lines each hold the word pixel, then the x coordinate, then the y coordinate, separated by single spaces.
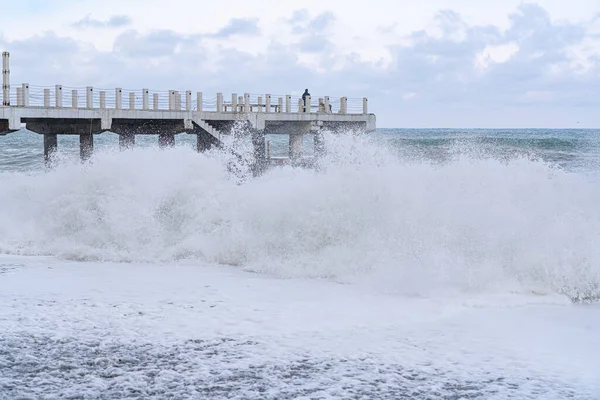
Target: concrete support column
pixel 199 101
pixel 145 99
pixel 118 98
pixel 131 101
pixel 260 104
pixel 74 98
pixel 86 146
pixel 296 147
pixel 279 105
pixel 188 100
pixel 155 101
pixel 5 78
pixel 102 99
pixel 268 103
pixel 288 103
pixel 126 141
pixel 234 102
pixel 89 97
pixel 50 146
pixel 260 152
pixel 166 140
pixel 47 98
pixel 365 107
pixel 25 90
pixel 58 96
pixel 219 102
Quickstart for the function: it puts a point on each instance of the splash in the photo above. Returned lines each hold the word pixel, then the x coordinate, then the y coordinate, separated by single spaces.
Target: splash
pixel 470 224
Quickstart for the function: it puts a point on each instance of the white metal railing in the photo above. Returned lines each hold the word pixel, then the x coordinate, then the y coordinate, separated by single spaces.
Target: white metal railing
pixel 89 97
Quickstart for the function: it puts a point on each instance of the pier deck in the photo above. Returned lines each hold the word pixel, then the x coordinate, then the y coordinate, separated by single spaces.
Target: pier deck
pixel 57 110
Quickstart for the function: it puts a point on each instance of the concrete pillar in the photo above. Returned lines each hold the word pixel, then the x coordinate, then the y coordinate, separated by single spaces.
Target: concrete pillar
pixel 25 91
pixel 47 98
pixel 319 143
pixel 131 101
pixel 234 102
pixel 288 103
pixel 307 104
pixel 126 141
pixel 50 146
pixel 219 102
pixel 145 93
pixel 155 101
pixel 102 99
pixel 326 101
pixel 199 101
pixel 343 105
pixel 268 103
pixel 166 140
pixel 247 102
pixel 58 96
pixel 89 97
pixel 260 104
pixel 171 99
pixel 118 98
pixel 240 102
pixel 279 105
pixel 19 97
pixel 86 146
pixel 5 78
pixel 296 147
pixel 74 98
pixel 188 100
pixel 365 107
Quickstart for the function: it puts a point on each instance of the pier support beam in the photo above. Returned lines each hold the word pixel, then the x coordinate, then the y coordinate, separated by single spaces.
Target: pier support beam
pixel 260 152
pixel 296 147
pixel 166 140
pixel 50 146
pixel 126 141
pixel 86 146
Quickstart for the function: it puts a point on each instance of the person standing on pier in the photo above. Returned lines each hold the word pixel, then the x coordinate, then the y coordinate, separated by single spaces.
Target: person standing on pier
pixel 304 95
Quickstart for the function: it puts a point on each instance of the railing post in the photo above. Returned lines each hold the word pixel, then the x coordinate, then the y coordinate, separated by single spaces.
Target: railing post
pixel 188 100
pixel 326 102
pixel 46 98
pixel 365 108
pixel 89 97
pixel 219 102
pixel 145 99
pixel 288 103
pixel 58 96
pixel 131 100
pixel 5 78
pixel 280 105
pixel 102 99
pixel 247 102
pixel 259 103
pixel 25 95
pixel 268 103
pixel 118 98
pixel 234 102
pixel 307 105
pixel 343 105
pixel 155 101
pixel 74 98
pixel 199 101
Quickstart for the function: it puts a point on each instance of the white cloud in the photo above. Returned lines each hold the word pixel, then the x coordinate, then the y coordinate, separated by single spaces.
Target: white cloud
pixel 497 54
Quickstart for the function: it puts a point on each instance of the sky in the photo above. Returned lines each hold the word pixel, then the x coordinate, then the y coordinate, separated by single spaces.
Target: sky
pixel 432 63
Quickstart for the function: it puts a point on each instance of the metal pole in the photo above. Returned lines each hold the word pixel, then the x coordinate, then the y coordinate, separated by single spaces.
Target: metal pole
pixel 5 79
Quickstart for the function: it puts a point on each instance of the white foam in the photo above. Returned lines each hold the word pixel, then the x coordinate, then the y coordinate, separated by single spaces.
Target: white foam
pixel 471 225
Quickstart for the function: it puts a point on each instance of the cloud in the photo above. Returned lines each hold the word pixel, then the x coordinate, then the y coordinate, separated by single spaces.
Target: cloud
pixel 238 26
pixel 116 21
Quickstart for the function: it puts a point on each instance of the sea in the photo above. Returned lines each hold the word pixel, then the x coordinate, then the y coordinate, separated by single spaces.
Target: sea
pixel 407 264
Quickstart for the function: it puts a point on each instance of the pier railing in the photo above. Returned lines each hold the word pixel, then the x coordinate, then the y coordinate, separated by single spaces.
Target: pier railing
pixel 90 97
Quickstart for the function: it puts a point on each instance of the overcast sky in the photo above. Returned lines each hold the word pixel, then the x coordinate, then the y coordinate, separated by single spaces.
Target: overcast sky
pixel 428 63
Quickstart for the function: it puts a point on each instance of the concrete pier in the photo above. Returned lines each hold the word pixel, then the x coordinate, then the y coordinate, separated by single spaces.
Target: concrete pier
pixel 89 111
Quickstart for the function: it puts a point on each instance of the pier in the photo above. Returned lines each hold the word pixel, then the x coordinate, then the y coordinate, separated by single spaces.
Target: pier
pixel 87 111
